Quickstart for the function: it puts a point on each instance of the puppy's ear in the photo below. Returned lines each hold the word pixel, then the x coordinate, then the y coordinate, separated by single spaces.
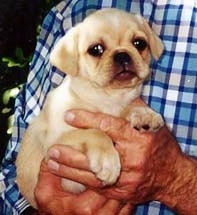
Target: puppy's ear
pixel 65 53
pixel 155 43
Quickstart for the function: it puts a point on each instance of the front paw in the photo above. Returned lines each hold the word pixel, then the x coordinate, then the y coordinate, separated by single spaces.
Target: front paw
pixel 104 159
pixel 145 119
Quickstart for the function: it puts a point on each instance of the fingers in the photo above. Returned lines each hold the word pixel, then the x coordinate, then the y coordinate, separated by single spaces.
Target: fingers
pixel 107 123
pixel 81 176
pixel 86 119
pixel 64 165
pixel 62 154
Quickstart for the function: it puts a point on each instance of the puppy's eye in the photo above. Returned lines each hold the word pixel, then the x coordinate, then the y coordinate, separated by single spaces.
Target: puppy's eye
pixel 96 50
pixel 140 44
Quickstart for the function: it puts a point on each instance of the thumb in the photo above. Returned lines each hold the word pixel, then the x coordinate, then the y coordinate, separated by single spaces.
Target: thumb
pixel 113 126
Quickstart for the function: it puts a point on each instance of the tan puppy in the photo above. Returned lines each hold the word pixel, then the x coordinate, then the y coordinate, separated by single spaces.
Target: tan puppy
pixel 106 59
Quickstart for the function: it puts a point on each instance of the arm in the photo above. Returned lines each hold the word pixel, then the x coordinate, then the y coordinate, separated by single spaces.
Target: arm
pixel 154 168
pixel 181 194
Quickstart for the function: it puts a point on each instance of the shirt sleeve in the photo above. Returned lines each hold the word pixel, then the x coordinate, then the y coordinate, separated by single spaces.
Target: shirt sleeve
pixel 41 79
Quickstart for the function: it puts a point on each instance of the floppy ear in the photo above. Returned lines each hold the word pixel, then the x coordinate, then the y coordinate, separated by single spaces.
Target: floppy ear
pixel 155 43
pixel 65 53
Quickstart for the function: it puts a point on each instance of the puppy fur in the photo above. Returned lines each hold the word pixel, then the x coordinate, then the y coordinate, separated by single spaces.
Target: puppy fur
pixel 106 59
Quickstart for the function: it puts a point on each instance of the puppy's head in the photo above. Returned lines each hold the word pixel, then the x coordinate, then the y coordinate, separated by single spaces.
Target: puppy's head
pixel 111 48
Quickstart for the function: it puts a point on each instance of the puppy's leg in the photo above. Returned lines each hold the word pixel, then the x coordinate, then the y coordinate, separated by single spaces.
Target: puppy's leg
pixel 145 119
pixel 103 158
pixel 28 165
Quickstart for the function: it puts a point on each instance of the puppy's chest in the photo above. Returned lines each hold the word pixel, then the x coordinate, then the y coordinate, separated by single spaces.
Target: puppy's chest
pixel 64 98
pixel 113 108
pixel 100 102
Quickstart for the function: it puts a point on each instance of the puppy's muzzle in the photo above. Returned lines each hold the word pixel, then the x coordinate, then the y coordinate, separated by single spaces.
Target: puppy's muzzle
pixel 124 66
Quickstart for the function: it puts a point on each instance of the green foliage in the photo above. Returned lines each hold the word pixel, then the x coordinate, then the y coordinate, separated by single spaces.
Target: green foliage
pixel 19 61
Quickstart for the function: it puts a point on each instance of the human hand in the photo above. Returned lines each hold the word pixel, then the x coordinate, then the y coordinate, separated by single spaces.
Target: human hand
pixel 148 159
pixel 153 166
pixel 52 200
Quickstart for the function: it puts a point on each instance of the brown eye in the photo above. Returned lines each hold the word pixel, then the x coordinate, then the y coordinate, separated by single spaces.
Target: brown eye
pixel 140 44
pixel 96 50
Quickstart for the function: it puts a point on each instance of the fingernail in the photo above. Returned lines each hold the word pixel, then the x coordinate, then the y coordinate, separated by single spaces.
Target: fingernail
pixel 69 116
pixel 52 165
pixel 54 153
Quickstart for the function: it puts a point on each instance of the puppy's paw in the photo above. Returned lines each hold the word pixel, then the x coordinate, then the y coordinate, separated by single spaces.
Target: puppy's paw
pixel 145 119
pixel 106 166
pixel 104 159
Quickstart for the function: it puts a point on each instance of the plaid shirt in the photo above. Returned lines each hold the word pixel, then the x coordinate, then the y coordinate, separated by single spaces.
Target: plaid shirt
pixel 171 90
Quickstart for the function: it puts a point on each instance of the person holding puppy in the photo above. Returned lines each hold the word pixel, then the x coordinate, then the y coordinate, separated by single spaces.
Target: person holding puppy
pixel 154 169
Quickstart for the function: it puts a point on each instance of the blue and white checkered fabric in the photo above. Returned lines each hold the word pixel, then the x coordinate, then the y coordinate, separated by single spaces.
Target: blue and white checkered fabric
pixel 172 90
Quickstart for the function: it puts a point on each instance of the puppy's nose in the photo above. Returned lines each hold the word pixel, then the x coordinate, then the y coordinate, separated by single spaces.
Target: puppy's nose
pixel 122 58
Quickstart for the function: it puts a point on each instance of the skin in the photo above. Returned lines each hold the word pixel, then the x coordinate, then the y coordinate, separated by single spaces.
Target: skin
pixel 153 168
pixel 52 200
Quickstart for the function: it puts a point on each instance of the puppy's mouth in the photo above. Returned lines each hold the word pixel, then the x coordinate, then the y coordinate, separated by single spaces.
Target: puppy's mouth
pixel 124 75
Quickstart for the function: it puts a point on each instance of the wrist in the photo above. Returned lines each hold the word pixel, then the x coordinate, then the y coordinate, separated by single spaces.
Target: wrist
pixel 180 193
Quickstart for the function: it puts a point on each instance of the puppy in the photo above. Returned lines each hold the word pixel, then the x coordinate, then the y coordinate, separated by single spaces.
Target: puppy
pixel 106 59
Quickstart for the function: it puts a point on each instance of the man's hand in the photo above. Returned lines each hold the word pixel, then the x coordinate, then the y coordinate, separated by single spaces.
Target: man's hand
pixel 52 200
pixel 146 158
pixel 153 166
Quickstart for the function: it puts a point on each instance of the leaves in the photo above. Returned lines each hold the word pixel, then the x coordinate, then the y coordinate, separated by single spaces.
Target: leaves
pixel 10 93
pixel 19 61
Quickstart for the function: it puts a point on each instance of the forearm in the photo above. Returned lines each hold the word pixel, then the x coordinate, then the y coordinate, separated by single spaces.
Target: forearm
pixel 181 194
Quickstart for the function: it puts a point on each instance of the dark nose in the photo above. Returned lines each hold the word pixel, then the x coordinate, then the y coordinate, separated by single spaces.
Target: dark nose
pixel 122 58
